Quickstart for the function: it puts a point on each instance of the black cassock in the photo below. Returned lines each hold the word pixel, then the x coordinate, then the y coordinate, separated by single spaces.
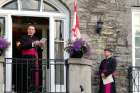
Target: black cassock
pixel 107 66
pixel 28 73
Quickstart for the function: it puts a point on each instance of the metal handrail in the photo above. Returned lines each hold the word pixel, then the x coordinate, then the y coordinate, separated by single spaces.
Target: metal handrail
pixel 46 64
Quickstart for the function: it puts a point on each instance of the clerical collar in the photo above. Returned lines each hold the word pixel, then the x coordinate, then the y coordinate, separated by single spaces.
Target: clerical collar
pixel 109 57
pixel 30 35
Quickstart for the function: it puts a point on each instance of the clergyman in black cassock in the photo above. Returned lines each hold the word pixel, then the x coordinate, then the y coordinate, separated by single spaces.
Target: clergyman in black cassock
pixel 28 74
pixel 107 68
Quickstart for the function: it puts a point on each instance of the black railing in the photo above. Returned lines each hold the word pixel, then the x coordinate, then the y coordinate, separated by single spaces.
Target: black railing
pixel 51 76
pixel 127 79
pixel 36 76
pixel 134 79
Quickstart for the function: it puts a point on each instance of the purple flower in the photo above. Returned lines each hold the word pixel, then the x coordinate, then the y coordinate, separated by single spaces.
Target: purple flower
pixel 3 43
pixel 79 45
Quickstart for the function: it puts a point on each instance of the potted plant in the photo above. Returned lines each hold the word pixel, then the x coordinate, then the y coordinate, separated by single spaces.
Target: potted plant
pixel 3 45
pixel 78 48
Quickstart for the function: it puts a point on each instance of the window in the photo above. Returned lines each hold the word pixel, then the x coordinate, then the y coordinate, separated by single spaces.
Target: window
pixel 2 26
pixel 59 39
pixel 30 4
pixel 11 5
pixel 136 38
pixel 48 7
pixel 59 50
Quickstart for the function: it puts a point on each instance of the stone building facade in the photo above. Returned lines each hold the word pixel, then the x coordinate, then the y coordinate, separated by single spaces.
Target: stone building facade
pixel 116 34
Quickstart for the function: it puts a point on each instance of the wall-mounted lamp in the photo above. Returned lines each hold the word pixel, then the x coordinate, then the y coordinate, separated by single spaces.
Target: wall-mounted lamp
pixel 99 25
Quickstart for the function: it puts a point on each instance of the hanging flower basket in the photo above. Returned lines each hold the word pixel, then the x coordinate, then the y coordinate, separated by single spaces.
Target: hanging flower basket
pixel 78 48
pixel 76 54
pixel 3 45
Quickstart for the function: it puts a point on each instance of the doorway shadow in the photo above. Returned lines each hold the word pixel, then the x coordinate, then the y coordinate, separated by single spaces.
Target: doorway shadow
pixel 19 28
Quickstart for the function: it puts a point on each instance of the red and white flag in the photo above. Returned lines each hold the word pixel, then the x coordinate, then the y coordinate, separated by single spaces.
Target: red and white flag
pixel 75 28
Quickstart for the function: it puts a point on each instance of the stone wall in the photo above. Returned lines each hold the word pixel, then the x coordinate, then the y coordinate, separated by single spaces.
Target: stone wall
pixel 115 34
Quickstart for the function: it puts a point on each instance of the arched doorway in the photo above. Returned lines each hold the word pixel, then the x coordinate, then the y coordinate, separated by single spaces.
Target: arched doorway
pixel 56 16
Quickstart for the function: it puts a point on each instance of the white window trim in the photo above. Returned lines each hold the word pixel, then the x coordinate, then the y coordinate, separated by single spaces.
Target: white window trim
pixel 19 4
pixel 32 13
pixel 8 17
pixel 55 3
pixel 41 5
pixel 133 40
pixel 53 86
pixel 135 11
pixel 9 52
pixel 6 1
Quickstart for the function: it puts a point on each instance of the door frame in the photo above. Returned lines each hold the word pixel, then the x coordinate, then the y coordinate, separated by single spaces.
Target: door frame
pixel 8 34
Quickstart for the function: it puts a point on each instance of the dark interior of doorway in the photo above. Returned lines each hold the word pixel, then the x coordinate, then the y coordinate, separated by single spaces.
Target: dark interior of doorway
pixel 19 28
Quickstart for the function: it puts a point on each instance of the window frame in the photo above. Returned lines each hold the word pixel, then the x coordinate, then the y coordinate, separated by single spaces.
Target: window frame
pixel 57 4
pixel 135 12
